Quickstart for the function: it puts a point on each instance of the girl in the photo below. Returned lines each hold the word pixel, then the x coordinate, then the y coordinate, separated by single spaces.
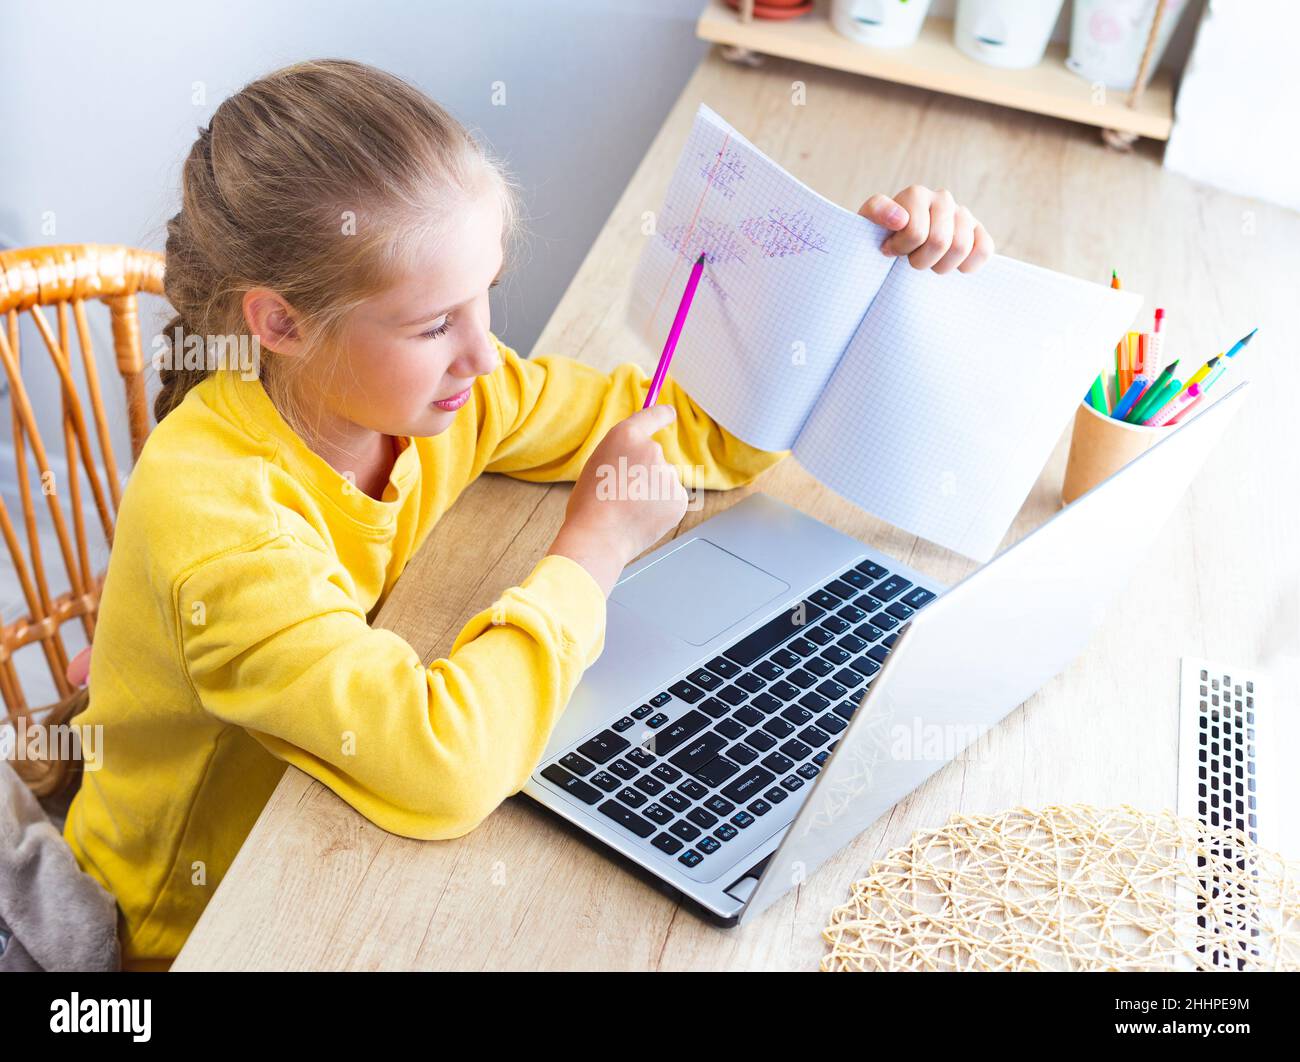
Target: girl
pixel 352 227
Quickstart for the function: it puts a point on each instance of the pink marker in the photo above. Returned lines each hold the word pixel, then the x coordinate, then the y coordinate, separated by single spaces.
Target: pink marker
pixel 661 370
pixel 1174 407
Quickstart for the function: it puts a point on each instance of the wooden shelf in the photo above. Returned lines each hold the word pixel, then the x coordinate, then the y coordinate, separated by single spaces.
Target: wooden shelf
pixel 934 62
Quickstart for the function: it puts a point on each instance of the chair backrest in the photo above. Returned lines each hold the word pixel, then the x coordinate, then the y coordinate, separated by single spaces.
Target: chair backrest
pixel 63 279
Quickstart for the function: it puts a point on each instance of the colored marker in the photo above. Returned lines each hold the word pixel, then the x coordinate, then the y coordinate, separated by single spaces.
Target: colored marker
pixel 1175 406
pixel 1135 415
pixel 683 307
pixel 1188 409
pixel 1097 396
pixel 1157 404
pixel 1114 283
pixel 1130 398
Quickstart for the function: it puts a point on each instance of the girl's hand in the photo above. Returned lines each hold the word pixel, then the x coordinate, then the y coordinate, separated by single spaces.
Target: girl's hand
pixel 626 499
pixel 931 229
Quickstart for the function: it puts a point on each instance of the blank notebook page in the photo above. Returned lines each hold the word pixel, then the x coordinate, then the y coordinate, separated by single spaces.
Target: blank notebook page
pixel 787 278
pixel 953 393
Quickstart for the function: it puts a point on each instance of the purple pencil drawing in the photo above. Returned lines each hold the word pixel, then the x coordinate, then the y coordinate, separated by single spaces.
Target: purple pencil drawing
pixel 716 240
pixel 722 169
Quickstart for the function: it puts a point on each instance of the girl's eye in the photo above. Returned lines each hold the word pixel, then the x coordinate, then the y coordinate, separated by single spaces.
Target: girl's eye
pixel 434 333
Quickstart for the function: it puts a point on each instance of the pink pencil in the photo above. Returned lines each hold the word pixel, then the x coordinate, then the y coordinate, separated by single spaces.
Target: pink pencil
pixel 661 370
pixel 1174 407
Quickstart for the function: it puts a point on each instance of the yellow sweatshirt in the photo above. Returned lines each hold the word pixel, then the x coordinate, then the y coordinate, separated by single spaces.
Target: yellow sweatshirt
pixel 234 638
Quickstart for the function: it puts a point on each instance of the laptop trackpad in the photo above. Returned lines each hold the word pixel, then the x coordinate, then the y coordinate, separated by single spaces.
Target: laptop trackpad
pixel 697 591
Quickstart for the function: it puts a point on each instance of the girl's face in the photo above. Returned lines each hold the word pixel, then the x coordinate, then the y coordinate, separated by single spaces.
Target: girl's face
pixel 411 352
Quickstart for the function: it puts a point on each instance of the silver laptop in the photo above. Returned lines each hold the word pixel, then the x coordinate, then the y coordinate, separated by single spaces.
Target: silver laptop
pixel 743 722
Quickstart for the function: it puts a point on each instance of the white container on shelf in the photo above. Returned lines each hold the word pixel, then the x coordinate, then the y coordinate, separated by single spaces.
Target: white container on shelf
pixel 1007 33
pixel 1107 38
pixel 880 23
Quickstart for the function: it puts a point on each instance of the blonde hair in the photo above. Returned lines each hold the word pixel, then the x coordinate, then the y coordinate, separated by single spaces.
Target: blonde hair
pixel 314 181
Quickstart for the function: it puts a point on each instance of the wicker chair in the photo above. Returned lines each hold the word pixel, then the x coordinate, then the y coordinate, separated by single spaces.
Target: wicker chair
pixel 65 278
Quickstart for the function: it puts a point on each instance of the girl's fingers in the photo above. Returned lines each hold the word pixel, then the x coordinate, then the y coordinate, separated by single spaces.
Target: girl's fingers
pixel 885 212
pixel 980 253
pixel 963 242
pixel 943 213
pixel 915 199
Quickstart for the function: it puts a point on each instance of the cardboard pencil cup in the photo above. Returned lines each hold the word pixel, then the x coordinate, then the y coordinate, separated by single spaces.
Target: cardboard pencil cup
pixel 1099 447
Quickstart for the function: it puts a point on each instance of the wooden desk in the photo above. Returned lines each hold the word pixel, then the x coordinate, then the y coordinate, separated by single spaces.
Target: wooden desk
pixel 317 886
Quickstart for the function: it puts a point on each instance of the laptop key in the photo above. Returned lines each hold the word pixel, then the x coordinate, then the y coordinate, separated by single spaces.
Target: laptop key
pixel 690 858
pixel 759 740
pixel 642 712
pixel 918 598
pixel 729 729
pixel 765 702
pixel 785 690
pixel 708 845
pixel 698 752
pixel 666 843
pixel 743 819
pixel 626 723
pixel 841 589
pixel 810 735
pixel 856 579
pixel 777 764
pixel 733 695
pixel 657 720
pixel 627 818
pixel 872 569
pixel 823 756
pixel 885 620
pixel 795 749
pixel 868 603
pixel 835 624
pixel 666 774
pixel 890 588
pixel 846 676
pixel 784 658
pixel 832 691
pixel 604 746
pixel 686 692
pixel 750 682
pixel 778 727
pixel 820 635
pixel 802 678
pixel 742 754
pixel 706 680
pixel 865 666
pixel 575 763
pixel 820 667
pixel 846 709
pixel 725 832
pixel 749 784
pixel 772 633
pixel 748 716
pixel 824 599
pixel 571 784
pixel 604 780
pixel 656 813
pixel 831 723
pixel 868 632
pixel 686 727
pixel 719 806
pixel 760 807
pixel 631 797
pixel 878 653
pixel 713 707
pixel 889 640
pixel 716 771
pixel 639 756
pixel 623 769
pixel 814 701
pixel 649 785
pixel 850 643
pixel 768 670
pixel 810 770
pixel 702 818
pixel 684 830
pixel 674 802
pixel 851 614
pixel 692 789
pixel 660 699
pixel 792 783
pixel 900 611
pixel 803 646
pixel 720 665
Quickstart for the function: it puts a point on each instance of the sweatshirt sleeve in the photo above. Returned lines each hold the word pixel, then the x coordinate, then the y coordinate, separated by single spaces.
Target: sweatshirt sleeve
pixel 548 413
pixel 422 751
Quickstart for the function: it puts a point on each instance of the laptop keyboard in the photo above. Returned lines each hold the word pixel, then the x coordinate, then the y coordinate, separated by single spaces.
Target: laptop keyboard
pixel 737 739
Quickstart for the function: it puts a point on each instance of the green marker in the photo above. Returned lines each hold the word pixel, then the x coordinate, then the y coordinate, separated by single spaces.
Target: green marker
pixel 1099 396
pixel 1137 414
pixel 1158 403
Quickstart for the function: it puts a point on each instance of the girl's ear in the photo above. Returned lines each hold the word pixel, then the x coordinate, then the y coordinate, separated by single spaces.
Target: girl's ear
pixel 273 321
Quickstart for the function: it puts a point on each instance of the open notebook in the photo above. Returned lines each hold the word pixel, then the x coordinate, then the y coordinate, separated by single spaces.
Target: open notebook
pixel 931 401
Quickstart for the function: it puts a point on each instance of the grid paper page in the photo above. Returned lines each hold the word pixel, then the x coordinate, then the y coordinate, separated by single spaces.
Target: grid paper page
pixel 788 276
pixel 952 394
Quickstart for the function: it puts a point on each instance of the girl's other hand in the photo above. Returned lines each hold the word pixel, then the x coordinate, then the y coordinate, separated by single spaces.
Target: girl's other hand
pixel 931 229
pixel 626 499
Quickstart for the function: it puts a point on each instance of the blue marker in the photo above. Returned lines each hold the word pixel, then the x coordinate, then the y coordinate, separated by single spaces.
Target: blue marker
pixel 1131 396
